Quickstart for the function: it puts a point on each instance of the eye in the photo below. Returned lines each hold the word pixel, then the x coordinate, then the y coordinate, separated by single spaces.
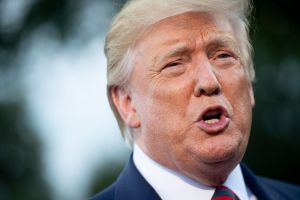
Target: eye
pixel 174 68
pixel 172 64
pixel 224 55
pixel 225 59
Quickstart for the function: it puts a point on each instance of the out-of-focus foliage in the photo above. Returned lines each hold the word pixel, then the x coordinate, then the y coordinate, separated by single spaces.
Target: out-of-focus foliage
pixel 34 14
pixel 275 132
pixel 20 23
pixel 21 166
pixel 20 163
pixel 21 175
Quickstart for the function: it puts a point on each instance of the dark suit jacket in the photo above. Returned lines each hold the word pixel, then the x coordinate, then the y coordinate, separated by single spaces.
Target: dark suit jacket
pixel 131 185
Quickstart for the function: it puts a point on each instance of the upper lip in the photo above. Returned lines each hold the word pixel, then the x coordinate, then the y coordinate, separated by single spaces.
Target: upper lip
pixel 220 108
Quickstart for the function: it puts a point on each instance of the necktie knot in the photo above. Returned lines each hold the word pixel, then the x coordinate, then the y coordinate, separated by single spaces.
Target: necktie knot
pixel 224 193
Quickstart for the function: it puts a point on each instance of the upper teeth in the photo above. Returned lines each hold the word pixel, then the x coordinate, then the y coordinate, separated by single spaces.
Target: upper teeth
pixel 212 113
pixel 211 121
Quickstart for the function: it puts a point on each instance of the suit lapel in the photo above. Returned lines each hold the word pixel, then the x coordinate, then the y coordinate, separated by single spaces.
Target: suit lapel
pixel 255 185
pixel 131 185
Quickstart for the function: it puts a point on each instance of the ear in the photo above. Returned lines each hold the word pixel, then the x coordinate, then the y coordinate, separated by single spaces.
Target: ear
pixel 252 98
pixel 124 104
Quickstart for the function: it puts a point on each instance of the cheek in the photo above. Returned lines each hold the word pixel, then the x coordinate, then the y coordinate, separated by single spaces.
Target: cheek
pixel 238 93
pixel 165 104
pixel 171 98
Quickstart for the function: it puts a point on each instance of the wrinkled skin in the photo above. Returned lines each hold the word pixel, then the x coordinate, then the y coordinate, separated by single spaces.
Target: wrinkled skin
pixel 183 65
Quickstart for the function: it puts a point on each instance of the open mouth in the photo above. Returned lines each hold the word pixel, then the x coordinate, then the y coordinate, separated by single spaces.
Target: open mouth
pixel 212 116
pixel 214 119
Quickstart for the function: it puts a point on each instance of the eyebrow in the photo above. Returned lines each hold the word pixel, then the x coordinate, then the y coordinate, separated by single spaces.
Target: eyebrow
pixel 211 41
pixel 221 40
pixel 176 50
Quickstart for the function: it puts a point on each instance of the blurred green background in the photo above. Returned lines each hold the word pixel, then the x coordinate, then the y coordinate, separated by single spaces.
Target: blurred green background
pixel 273 149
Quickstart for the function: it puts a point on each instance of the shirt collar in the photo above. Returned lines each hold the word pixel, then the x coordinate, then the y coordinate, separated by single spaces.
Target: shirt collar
pixel 170 184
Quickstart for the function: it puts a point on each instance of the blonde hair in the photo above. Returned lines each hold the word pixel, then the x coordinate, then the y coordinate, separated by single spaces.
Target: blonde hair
pixel 137 15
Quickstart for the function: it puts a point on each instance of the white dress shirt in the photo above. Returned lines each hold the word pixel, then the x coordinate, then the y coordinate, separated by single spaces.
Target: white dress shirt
pixel 171 185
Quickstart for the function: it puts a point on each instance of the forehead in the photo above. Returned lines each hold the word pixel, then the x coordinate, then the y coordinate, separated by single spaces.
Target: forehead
pixel 186 27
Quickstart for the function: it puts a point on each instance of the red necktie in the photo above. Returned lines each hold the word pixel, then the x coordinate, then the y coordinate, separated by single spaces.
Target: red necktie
pixel 224 193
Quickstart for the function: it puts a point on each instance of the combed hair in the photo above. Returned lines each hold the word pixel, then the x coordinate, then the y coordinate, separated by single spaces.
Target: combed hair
pixel 137 15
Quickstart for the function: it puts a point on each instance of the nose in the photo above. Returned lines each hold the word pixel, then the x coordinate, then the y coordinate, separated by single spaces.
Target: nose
pixel 206 80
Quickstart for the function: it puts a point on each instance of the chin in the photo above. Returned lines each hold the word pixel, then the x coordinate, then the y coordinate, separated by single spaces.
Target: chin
pixel 216 172
pixel 212 175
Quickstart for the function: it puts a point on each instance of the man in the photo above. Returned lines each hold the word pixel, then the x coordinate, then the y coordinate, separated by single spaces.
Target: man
pixel 180 78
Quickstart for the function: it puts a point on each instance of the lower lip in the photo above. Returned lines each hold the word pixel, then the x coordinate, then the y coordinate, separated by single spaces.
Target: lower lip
pixel 214 127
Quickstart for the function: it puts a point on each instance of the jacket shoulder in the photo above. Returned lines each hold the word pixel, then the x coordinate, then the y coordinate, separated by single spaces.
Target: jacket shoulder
pixel 130 185
pixel 106 194
pixel 269 189
pixel 280 189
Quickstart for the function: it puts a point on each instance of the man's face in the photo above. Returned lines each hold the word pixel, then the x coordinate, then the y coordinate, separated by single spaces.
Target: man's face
pixel 192 97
